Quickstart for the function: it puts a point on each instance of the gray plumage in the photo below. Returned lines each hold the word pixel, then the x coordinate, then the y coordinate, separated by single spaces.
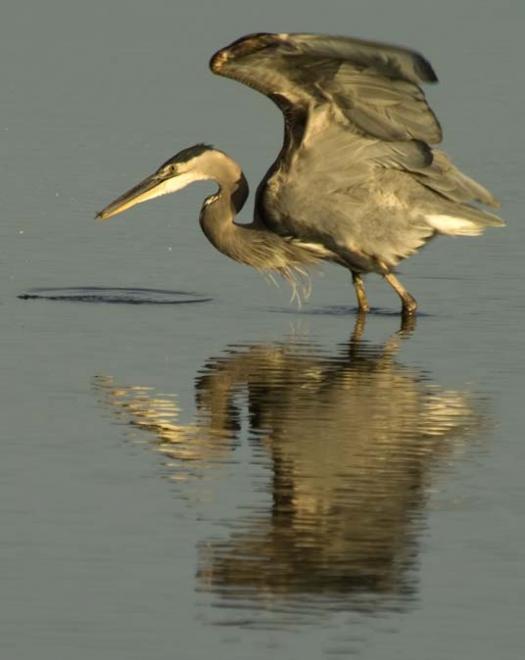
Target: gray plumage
pixel 356 181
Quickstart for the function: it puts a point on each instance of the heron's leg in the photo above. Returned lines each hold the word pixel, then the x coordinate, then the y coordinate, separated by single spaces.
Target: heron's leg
pixel 360 292
pixel 409 302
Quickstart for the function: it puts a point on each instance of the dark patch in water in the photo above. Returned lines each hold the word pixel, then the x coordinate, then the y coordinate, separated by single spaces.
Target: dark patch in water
pixel 113 295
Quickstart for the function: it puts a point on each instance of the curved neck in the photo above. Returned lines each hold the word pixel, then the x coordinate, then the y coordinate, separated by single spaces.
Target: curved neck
pixel 227 174
pixel 239 194
pixel 252 244
pixel 219 210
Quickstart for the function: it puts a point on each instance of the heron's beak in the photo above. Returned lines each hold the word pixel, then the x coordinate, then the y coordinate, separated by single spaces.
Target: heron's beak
pixel 155 185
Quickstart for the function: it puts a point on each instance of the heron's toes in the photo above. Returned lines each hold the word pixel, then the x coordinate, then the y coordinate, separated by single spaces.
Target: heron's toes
pixel 409 307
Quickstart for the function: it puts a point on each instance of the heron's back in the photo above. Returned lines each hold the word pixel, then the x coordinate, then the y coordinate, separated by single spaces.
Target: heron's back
pixel 371 202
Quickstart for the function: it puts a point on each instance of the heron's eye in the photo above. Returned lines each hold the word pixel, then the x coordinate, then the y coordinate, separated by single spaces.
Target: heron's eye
pixel 169 170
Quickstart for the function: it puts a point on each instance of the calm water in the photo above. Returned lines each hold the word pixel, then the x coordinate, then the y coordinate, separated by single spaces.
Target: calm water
pixel 191 466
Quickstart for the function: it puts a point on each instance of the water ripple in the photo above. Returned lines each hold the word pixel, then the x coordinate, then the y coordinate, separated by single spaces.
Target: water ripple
pixel 113 295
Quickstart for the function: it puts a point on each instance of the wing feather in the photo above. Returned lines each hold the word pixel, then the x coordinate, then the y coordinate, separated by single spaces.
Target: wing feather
pixel 374 88
pixel 445 179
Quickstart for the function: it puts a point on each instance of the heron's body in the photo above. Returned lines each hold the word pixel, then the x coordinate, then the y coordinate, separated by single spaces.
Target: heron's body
pixel 356 182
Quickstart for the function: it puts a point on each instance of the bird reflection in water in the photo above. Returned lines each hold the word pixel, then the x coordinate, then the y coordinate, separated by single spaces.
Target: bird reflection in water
pixel 351 438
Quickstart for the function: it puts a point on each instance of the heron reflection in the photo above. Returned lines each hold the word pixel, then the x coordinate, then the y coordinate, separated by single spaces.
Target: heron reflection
pixel 350 437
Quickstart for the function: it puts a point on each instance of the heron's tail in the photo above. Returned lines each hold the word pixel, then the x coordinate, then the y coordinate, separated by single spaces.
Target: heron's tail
pixel 462 220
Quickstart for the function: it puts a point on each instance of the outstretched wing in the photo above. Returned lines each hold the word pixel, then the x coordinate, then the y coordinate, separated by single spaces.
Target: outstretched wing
pixel 356 174
pixel 372 88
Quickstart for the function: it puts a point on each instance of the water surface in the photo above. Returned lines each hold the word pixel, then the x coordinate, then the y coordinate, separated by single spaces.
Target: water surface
pixel 235 477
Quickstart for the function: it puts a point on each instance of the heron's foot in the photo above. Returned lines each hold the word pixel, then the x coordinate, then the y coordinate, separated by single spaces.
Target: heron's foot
pixel 409 306
pixel 408 302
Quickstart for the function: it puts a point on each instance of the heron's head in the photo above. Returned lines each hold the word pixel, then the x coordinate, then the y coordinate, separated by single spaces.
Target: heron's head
pixel 195 163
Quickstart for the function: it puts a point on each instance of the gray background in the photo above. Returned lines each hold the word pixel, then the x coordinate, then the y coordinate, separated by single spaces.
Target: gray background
pixel 99 537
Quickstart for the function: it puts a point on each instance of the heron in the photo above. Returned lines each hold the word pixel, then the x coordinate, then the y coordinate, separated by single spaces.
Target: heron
pixel 357 181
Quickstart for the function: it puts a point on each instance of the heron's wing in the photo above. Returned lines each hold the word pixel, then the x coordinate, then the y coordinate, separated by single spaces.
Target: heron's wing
pixel 368 201
pixel 445 179
pixel 373 88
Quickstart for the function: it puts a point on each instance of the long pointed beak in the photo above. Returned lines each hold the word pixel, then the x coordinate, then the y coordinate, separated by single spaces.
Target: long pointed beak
pixel 157 184
pixel 150 187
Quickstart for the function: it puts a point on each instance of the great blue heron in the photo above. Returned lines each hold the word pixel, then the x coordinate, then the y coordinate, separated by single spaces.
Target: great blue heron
pixel 355 183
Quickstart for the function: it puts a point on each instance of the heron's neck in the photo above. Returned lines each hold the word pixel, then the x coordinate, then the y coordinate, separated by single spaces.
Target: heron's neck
pixel 252 244
pixel 219 210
